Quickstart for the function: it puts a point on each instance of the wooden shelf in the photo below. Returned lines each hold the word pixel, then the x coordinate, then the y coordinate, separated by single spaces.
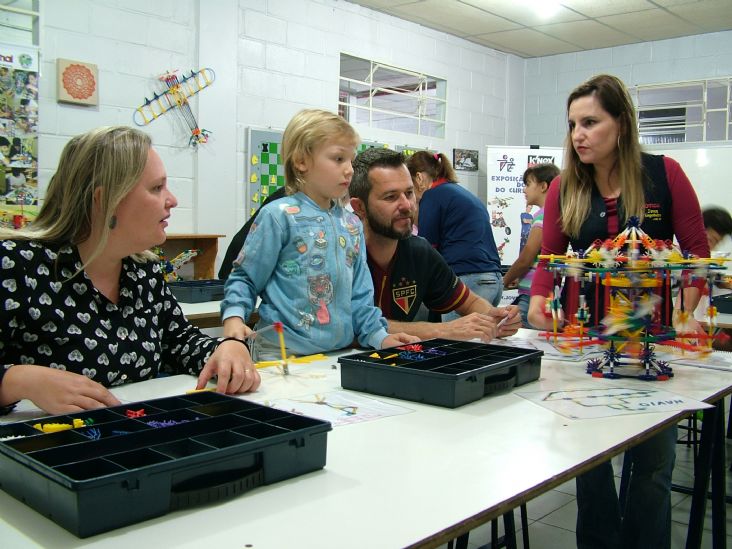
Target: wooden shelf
pixel 204 262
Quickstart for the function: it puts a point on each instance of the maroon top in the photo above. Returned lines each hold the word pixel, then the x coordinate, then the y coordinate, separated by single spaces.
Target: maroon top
pixel 685 215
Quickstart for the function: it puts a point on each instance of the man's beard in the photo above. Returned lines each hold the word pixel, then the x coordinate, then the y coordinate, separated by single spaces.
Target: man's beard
pixel 388 231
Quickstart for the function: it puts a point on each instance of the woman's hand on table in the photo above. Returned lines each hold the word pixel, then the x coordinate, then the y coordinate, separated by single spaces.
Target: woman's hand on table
pixel 54 391
pixel 232 365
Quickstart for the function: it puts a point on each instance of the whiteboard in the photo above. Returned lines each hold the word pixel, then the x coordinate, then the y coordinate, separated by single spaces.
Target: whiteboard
pixel 709 167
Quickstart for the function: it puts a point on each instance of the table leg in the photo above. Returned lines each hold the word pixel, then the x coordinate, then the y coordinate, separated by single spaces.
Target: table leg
pixel 719 484
pixel 525 526
pixel 702 469
pixel 509 527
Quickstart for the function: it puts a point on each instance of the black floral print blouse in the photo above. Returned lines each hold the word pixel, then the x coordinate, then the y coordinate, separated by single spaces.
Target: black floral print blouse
pixel 50 319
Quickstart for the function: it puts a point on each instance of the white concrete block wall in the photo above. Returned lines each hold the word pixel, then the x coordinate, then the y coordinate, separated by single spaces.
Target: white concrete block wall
pixel 289 54
pixel 549 80
pixel 286 57
pixel 132 42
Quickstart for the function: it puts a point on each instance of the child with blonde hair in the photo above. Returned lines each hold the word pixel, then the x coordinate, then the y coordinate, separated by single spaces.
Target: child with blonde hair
pixel 305 255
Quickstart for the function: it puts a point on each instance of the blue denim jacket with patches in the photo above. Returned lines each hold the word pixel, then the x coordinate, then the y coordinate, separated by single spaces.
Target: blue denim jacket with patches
pixel 309 266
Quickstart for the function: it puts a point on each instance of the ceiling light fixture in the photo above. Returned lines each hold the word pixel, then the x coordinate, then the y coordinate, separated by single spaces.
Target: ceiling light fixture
pixel 543 8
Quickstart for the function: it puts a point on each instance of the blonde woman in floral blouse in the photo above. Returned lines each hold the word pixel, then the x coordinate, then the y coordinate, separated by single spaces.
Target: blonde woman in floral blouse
pixel 83 304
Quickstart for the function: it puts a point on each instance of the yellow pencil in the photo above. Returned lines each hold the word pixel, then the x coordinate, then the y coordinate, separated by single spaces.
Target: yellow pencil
pixel 279 328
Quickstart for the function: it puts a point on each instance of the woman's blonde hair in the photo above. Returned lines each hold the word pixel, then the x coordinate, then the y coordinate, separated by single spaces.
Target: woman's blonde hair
pixel 307 130
pixel 111 159
pixel 578 178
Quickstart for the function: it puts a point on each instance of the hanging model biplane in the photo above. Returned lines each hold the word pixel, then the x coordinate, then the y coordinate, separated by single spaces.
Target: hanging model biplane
pixel 176 97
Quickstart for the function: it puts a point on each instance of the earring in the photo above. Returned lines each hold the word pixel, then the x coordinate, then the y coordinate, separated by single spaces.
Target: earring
pixel 113 222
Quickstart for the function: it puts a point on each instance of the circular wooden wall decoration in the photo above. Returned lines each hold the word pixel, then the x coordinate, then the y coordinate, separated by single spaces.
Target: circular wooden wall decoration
pixel 77 82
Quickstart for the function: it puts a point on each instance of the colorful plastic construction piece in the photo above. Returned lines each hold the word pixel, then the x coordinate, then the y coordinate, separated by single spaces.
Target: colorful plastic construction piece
pixel 135 413
pixel 176 96
pixel 635 274
pixel 165 423
pixel 77 423
pixel 52 427
pixel 171 267
pixel 11 437
pixel 204 390
pixel 93 433
pixel 411 355
pixel 411 347
pixel 434 351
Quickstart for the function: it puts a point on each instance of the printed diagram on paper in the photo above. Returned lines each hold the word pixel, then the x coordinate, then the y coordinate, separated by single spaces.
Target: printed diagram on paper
pixel 338 407
pixel 611 401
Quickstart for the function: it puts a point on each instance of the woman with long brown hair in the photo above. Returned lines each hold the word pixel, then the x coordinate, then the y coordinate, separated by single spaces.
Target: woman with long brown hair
pixel 605 181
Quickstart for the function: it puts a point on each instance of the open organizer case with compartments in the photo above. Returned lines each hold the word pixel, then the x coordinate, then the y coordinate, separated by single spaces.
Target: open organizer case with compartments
pixel 197 291
pixel 117 470
pixel 440 371
pixel 723 303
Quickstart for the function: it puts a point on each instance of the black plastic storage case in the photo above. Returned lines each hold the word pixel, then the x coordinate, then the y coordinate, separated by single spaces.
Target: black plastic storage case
pixel 723 303
pixel 197 291
pixel 440 371
pixel 219 447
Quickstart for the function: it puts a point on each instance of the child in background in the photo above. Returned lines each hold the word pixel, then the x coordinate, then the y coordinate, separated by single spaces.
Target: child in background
pixel 536 183
pixel 305 255
pixel 718 225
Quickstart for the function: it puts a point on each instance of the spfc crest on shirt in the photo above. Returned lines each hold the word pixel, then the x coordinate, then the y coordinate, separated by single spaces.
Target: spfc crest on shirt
pixel 404 297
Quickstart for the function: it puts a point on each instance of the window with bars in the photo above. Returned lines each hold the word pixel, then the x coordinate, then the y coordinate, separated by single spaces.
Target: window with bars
pixel 684 112
pixel 387 97
pixel 19 22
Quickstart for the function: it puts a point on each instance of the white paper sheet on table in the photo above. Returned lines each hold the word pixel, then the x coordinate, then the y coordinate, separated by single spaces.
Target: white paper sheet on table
pixel 338 407
pixel 611 401
pixel 716 360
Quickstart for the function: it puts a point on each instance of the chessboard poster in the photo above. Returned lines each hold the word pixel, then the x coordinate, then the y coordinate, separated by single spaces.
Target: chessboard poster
pixel 510 217
pixel 18 135
pixel 265 167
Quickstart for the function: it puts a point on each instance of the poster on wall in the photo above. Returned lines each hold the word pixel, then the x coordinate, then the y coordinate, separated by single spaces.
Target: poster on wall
pixel 510 217
pixel 465 160
pixel 18 135
pixel 265 169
